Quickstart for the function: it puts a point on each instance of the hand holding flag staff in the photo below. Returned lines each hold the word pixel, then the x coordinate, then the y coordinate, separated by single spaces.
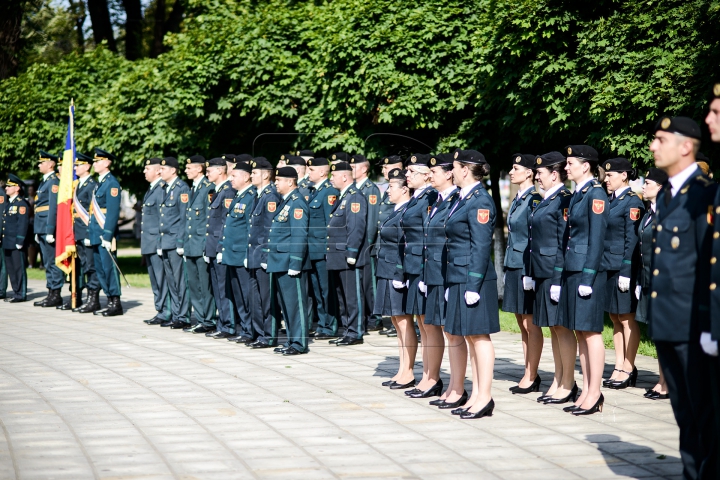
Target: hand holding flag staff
pixel 65 237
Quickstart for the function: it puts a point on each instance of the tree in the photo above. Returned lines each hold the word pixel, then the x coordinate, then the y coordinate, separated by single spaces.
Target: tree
pixel 101 24
pixel 11 15
pixel 133 29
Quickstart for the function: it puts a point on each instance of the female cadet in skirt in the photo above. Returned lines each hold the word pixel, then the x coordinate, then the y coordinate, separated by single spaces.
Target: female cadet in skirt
pixel 472 297
pixel 620 260
pixel 413 223
pixel 549 221
pixel 391 291
pixel 583 280
pixel 519 285
pixel 654 181
pixel 433 285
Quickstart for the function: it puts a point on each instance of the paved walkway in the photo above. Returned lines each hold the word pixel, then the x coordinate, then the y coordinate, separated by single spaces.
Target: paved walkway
pixel 86 397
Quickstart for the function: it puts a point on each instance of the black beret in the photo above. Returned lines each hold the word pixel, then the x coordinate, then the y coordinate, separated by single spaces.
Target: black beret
pixel 243 157
pixel 357 158
pixel 656 175
pixel 701 157
pixel 582 151
pixel 286 172
pixel 681 125
pixel 318 162
pixel 153 161
pixel 397 174
pixel 341 167
pixel 196 159
pixel 103 155
pixel 339 156
pixel 216 162
pixel 469 156
pixel 391 160
pixel 82 159
pixel 524 160
pixel 44 156
pixel 295 160
pixel 306 153
pixel 244 166
pixel 170 162
pixel 419 159
pixel 549 159
pixel 619 164
pixel 441 160
pixel 261 163
pixel 228 157
pixel 14 181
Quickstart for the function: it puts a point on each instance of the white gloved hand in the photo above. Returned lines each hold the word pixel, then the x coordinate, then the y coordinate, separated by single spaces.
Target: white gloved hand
pixel 86 242
pixel 50 238
pixel 504 274
pixel 180 251
pixel 555 293
pixel 584 290
pixel 106 245
pixel 245 263
pixel 218 258
pixel 351 261
pixel 638 291
pixel 398 285
pixel 264 266
pixel 446 294
pixel 623 283
pixel 528 283
pixel 159 252
pixel 19 247
pixel 293 273
pixel 471 298
pixel 37 239
pixel 206 258
pixel 422 287
pixel 709 345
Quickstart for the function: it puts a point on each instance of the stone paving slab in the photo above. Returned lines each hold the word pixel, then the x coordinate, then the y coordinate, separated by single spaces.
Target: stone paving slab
pixel 82 396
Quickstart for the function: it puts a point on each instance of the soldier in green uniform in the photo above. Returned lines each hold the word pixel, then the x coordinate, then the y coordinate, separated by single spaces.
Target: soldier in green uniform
pixel 15 220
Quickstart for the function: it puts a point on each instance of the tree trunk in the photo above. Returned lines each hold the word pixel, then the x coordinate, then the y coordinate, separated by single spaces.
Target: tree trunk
pixel 101 25
pixel 159 30
pixel 11 14
pixel 78 11
pixel 133 29
pixel 176 17
pixel 499 241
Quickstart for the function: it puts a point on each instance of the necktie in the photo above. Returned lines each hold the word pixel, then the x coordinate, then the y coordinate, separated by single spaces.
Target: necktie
pixel 668 196
pixel 612 197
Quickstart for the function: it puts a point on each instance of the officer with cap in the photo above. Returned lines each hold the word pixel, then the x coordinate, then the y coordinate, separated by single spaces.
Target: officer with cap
pixel 230 161
pixel 15 220
pixel 219 205
pixel 346 253
pixel 287 250
pixel 44 224
pixel 196 220
pixel 242 158
pixel 149 238
pixel 82 200
pixel 103 230
pixel 339 157
pixel 266 206
pixel 234 248
pixel 681 288
pixel 304 182
pixel 300 166
pixel 171 245
pixel 3 269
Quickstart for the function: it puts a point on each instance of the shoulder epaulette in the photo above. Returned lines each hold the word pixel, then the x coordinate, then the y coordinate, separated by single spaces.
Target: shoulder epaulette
pixel 566 193
pixel 596 185
pixel 352 190
pixel 704 181
pixel 294 197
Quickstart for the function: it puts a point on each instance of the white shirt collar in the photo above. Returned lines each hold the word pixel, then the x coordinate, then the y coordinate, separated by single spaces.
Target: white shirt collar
pixel 420 190
pixel 317 185
pixel 345 190
pixel 620 191
pixel 285 197
pixel 197 181
pixel 240 192
pixel 10 200
pixel 45 177
pixel 81 181
pixel 522 192
pixel 553 190
pixel 580 186
pixel 100 177
pixel 171 182
pixel 155 182
pixel 447 192
pixel 677 181
pixel 361 182
pixel 653 206
pixel 465 190
pixel 398 206
pixel 261 190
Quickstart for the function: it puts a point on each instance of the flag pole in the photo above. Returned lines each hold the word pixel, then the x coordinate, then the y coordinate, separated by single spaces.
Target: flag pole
pixel 73 284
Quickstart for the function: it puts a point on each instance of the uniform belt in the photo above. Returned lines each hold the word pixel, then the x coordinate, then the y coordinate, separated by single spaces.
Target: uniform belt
pixel 44 208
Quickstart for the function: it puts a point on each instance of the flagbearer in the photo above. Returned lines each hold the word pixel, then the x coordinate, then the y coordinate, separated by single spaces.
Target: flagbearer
pixel 45 218
pixel 16 219
pixel 103 230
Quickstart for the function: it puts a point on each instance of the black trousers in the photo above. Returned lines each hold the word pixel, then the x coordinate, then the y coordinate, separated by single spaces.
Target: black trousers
pixel 3 276
pixel 240 300
pixel 218 275
pixel 15 262
pixel 261 304
pixel 349 291
pixel 324 296
pixel 88 276
pixel 369 293
pixel 156 272
pixel 201 298
pixel 54 277
pixel 687 371
pixel 177 285
pixel 292 293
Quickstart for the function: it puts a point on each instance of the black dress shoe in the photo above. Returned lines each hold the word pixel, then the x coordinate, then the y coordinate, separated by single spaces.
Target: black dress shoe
pixel 589 411
pixel 459 403
pixel 337 339
pixel 167 323
pixel 260 345
pixel 291 351
pixel 486 411
pixel 178 325
pixel 534 387
pixel 410 392
pixel 658 396
pixel 571 408
pixel 389 331
pixel 67 306
pixel 190 328
pixel 324 336
pixel 392 333
pixel 557 401
pixel 155 321
pixel 404 386
pixel 628 382
pixel 433 391
pixel 344 342
pixel 607 381
pixel 15 300
pixel 243 340
pixel 387 383
pixel 459 411
pixel 221 335
pixel 280 349
pixel 437 402
pixel 202 329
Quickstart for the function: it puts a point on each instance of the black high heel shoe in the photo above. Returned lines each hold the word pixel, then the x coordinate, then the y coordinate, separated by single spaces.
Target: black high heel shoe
pixel 542 397
pixel 535 387
pixel 571 408
pixel 459 403
pixel 486 411
pixel 437 402
pixel 628 382
pixel 387 383
pixel 459 411
pixel 557 401
pixel 398 386
pixel 410 392
pixel 655 395
pixel 433 391
pixel 595 408
pixel 607 381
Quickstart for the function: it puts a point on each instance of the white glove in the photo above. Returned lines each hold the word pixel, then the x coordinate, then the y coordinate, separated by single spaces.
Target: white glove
pixel 422 287
pixel 293 273
pixel 37 239
pixel 206 258
pixel 555 293
pixel 623 283
pixel 446 294
pixel 86 242
pixel 19 247
pixel 528 283
pixel 709 345
pixel 219 258
pixel 264 266
pixel 159 252
pixel 638 291
pixel 351 261
pixel 504 274
pixel 50 238
pixel 398 285
pixel 471 298
pixel 245 263
pixel 106 245
pixel 180 251
pixel 584 290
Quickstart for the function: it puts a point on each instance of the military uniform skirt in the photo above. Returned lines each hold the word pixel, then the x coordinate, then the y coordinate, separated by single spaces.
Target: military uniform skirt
pixel 585 314
pixel 415 300
pixel 641 313
pixel 435 305
pixel 515 299
pixel 615 300
pixel 481 318
pixel 388 300
pixel 545 311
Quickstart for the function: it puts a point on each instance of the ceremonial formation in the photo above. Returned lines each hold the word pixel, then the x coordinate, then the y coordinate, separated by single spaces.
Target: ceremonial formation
pixel 311 250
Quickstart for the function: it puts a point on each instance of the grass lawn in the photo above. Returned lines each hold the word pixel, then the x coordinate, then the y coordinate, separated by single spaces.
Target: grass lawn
pixel 132 267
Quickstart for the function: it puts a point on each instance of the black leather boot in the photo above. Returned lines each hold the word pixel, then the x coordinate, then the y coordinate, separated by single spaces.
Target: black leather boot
pixel 93 302
pixel 53 300
pixel 114 309
pixel 100 311
pixel 41 303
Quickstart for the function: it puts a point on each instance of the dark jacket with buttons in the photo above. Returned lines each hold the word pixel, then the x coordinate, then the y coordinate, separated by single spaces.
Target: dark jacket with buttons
pixel 435 250
pixel 83 194
pixel 304 185
pixel 645 249
pixel 107 197
pixel 413 224
pixel 150 226
pixel 222 197
pixel 621 235
pixel 321 204
pixel 16 220
pixel 173 211
pixel 548 222
pixel 196 218
pixel 385 208
pixel 234 241
pixel 517 254
pixel 288 236
pixel 390 247
pixel 46 205
pixel 266 207
pixel 3 207
pixel 347 231
pixel 680 292
pixel 715 271
pixel 372 195
pixel 469 231
pixel 587 221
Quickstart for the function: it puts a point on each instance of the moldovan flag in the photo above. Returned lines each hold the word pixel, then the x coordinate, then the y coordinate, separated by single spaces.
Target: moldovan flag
pixel 64 235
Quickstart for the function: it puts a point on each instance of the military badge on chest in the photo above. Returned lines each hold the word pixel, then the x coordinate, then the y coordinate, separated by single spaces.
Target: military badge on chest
pixel 283 215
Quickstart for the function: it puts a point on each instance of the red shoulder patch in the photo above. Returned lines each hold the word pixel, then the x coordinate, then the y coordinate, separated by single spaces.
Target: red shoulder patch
pixel 114 192
pixel 184 197
pixel 331 199
pixel 22 210
pixel 355 207
pixel 483 215
pixel 598 206
pixel 565 214
pixel 55 188
pixel 298 213
pixel 2 200
pixel 228 201
pixel 272 206
pixel 634 214
pixel 372 199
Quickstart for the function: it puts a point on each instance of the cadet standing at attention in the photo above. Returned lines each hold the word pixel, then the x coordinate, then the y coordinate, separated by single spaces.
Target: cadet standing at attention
pixel 300 166
pixel 171 245
pixel 196 221
pixel 45 218
pixel 103 231
pixel 15 220
pixel 304 182
pixel 3 269
pixel 149 239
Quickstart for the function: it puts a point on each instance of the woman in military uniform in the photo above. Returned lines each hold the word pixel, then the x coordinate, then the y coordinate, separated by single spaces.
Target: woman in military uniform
pixel 582 291
pixel 519 286
pixel 472 295
pixel 620 260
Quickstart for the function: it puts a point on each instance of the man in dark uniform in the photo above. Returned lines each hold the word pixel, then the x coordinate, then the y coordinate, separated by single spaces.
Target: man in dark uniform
pixel 300 166
pixel 196 220
pixel 3 270
pixel 103 230
pixel 265 209
pixel 233 254
pixel 219 205
pixel 15 220
pixel 149 238
pixel 339 157
pixel 346 253
pixel 45 218
pixel 681 287
pixel 171 245
pixel 287 253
